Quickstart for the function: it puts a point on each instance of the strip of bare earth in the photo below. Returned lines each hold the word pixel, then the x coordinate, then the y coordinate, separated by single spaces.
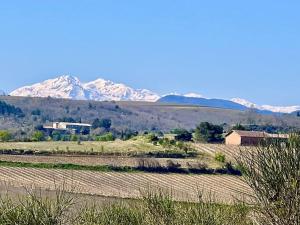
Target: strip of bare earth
pixel 110 168
pixel 127 185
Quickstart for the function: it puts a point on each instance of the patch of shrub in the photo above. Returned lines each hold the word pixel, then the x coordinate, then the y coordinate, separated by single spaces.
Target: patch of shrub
pixel 106 137
pixel 199 167
pixel 174 167
pixel 220 157
pixel 5 136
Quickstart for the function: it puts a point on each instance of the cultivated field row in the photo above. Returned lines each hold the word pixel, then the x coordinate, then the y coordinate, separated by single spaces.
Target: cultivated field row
pixel 103 160
pixel 229 150
pixel 128 185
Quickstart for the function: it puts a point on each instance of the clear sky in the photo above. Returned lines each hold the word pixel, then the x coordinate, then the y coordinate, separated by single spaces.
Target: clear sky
pixel 247 49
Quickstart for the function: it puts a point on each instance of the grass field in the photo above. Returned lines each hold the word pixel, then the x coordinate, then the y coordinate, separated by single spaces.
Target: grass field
pixel 115 153
pixel 133 146
pixel 117 146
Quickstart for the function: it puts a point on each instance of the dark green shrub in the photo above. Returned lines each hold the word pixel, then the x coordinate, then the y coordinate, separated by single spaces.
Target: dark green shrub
pixel 183 135
pixel 208 132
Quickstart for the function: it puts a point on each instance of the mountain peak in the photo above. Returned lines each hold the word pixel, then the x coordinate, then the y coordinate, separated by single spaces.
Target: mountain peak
pixel 244 102
pixel 67 78
pixel 70 87
pixel 275 109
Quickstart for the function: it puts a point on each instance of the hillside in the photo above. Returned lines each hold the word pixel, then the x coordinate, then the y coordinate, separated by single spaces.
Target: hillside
pixel 131 115
pixel 216 103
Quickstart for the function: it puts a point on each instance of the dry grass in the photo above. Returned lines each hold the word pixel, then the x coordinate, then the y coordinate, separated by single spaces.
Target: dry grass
pixel 60 207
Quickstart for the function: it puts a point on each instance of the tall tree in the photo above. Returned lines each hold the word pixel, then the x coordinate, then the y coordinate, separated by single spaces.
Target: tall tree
pixel 208 132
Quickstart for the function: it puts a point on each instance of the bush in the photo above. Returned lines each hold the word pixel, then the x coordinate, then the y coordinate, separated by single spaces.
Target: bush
pixel 152 137
pixel 174 166
pixel 220 157
pixel 106 137
pixel 272 171
pixel 74 137
pixel 183 135
pixel 199 167
pixel 208 132
pixel 35 209
pixel 5 136
pixel 156 207
pixel 149 165
pixel 38 136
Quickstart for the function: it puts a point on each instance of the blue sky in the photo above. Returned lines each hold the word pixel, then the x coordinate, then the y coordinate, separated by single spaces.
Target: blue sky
pixel 247 49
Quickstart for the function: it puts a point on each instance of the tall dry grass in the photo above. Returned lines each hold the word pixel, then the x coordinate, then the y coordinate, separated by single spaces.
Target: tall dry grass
pixel 154 208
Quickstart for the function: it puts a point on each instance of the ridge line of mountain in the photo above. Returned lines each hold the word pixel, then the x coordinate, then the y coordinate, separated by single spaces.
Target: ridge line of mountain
pixel 71 87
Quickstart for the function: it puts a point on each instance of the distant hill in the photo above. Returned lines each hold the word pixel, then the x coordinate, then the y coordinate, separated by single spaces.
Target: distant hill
pixel 133 115
pixel 215 103
pixel 296 113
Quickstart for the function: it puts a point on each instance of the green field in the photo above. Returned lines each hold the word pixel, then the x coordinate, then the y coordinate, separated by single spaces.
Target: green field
pixel 118 146
pixel 119 153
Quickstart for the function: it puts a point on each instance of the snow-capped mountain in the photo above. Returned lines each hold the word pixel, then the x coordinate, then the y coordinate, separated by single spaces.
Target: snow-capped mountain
pixel 61 87
pixel 101 90
pixel 276 109
pixel 245 103
pixel 71 88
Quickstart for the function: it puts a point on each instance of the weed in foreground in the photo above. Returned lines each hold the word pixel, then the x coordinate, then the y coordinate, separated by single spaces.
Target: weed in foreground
pixel 154 208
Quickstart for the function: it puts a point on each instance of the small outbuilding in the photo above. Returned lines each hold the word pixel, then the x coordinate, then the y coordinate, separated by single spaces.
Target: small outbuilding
pixel 241 137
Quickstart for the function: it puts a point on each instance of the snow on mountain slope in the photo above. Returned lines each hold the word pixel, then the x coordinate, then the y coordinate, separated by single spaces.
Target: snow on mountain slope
pixel 245 103
pixel 281 109
pixel 61 87
pixel 277 109
pixel 105 89
pixel 71 88
pixel 193 95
